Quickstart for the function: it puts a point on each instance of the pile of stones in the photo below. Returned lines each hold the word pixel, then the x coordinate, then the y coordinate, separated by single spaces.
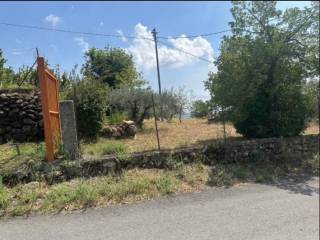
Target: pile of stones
pixel 20 116
pixel 127 129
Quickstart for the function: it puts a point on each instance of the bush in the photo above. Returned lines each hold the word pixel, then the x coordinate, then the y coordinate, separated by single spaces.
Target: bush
pixel 274 113
pixel 89 98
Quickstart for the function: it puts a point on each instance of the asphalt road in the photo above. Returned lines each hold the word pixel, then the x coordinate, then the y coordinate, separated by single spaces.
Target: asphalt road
pixel 287 210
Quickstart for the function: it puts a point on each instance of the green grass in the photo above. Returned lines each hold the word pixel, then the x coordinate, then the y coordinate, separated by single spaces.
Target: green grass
pixel 132 185
pixel 116 118
pixel 105 147
pixel 4 198
pixel 13 155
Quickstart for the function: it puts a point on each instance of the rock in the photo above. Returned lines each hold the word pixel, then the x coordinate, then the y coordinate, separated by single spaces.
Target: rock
pixel 2 130
pixel 125 130
pixel 131 130
pixel 16 124
pixel 128 122
pixel 13 112
pixel 3 96
pixel 31 116
pixel 19 137
pixel 22 114
pixel 26 129
pixel 28 121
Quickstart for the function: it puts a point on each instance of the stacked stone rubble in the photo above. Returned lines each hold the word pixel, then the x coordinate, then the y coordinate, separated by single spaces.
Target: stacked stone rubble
pixel 20 116
pixel 125 130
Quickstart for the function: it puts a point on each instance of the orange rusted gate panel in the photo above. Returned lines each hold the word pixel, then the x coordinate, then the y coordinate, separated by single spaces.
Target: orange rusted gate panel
pixel 49 89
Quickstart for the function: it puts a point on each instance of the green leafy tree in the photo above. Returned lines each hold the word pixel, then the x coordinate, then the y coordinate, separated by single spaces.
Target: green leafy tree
pixel 263 67
pixel 312 93
pixel 135 102
pixel 199 109
pixel 112 66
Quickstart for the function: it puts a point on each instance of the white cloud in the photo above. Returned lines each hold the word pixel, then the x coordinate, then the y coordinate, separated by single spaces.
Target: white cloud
pixel 101 24
pixel 53 20
pixel 144 53
pixel 123 38
pixel 82 43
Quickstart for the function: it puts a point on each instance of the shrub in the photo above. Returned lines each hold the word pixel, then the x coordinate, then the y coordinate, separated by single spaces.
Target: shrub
pixel 89 97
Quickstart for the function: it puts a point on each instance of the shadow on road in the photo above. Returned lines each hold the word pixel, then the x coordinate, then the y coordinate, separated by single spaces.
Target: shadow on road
pixel 302 184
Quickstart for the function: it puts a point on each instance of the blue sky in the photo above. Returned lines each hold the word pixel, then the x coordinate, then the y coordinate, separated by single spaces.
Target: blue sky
pixel 129 18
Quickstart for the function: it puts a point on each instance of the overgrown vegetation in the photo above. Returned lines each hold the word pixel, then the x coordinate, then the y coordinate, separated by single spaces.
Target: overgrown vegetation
pixel 263 68
pixel 14 155
pixel 105 147
pixel 131 186
pixel 89 98
pixel 137 184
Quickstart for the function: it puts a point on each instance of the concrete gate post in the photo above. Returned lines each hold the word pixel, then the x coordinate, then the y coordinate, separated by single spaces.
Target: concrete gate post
pixel 69 129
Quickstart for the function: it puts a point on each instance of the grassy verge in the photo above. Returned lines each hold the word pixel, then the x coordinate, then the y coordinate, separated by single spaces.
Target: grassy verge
pixel 133 185
pixel 137 184
pixel 13 155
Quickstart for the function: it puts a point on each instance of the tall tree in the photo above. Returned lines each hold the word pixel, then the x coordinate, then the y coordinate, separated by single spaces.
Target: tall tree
pixel 263 67
pixel 112 66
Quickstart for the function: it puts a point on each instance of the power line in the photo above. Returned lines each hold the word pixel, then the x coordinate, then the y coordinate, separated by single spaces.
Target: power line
pixel 195 36
pixel 71 31
pixel 111 35
pixel 105 34
pixel 180 50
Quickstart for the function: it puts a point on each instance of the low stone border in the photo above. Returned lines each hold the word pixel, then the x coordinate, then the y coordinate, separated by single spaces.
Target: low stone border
pixel 262 150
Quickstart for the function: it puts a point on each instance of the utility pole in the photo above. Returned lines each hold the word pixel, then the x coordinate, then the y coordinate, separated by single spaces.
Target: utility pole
pixel 154 33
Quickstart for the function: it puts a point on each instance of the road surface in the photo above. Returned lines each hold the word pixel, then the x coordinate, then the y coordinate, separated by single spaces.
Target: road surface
pixel 287 210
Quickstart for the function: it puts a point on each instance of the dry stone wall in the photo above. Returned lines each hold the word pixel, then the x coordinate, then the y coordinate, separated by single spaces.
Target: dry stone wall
pixel 20 116
pixel 274 150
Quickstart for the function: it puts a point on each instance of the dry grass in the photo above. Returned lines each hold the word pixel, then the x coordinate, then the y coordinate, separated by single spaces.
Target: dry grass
pixel 312 129
pixel 172 135
pixel 131 186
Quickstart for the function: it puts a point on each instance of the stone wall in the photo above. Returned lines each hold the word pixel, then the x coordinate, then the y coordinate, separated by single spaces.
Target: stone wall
pixel 264 150
pixel 267 149
pixel 20 116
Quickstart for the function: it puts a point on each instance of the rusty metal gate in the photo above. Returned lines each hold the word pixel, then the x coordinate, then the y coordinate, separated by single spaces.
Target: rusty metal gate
pixel 49 88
